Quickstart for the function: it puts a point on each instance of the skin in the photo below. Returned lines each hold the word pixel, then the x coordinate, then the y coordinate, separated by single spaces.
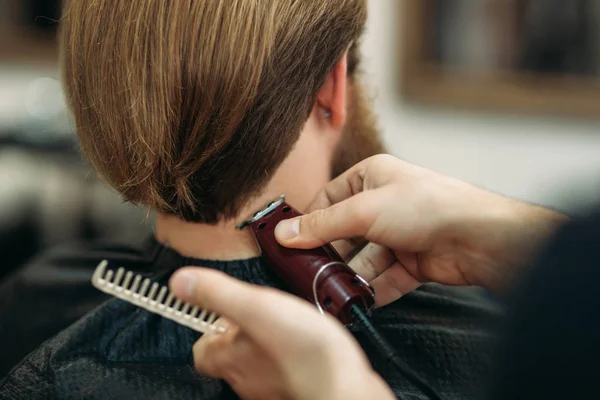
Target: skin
pixel 421 227
pixel 298 179
pixel 256 356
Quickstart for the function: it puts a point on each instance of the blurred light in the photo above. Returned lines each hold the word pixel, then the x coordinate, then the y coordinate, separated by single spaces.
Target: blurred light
pixel 44 99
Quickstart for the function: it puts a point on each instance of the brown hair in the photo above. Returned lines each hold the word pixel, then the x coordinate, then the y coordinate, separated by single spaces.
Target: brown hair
pixel 188 107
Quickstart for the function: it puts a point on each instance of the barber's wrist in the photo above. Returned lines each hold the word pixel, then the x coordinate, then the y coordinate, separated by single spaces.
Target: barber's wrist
pixel 505 236
pixel 379 390
pixel 363 384
pixel 535 226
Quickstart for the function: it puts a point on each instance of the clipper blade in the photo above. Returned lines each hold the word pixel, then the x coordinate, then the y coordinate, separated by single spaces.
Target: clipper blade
pixel 153 297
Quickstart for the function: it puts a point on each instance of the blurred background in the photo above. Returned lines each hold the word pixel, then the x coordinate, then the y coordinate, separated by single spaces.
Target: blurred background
pixel 502 93
pixel 48 194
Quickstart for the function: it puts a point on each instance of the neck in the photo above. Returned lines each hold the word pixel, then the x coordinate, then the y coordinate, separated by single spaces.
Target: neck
pixel 221 241
pixel 297 180
pixel 209 242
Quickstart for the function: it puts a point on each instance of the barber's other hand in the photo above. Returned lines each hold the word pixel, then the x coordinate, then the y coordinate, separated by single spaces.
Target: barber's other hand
pixel 277 346
pixel 422 226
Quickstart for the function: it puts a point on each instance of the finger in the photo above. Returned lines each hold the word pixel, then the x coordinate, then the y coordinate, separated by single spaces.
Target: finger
pixel 221 325
pixel 379 170
pixel 392 284
pixel 214 291
pixel 360 245
pixel 343 247
pixel 372 261
pixel 213 354
pixel 252 366
pixel 350 218
pixel 243 364
pixel 341 188
pixel 348 248
pixel 251 307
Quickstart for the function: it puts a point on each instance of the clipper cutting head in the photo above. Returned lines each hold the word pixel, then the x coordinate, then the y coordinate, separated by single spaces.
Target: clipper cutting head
pixel 318 275
pixel 262 213
pixel 153 297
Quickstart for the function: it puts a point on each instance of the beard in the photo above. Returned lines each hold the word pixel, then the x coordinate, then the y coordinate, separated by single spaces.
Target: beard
pixel 361 137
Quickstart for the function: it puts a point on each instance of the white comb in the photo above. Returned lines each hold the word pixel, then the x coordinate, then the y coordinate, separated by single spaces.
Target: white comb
pixel 150 296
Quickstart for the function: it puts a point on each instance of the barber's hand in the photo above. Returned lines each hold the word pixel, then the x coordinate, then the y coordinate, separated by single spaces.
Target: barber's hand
pixel 422 226
pixel 277 346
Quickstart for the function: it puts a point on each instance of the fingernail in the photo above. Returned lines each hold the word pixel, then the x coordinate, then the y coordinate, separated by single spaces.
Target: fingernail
pixel 183 285
pixel 287 229
pixel 221 326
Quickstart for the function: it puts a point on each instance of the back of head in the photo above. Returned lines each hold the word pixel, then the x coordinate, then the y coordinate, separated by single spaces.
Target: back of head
pixel 189 107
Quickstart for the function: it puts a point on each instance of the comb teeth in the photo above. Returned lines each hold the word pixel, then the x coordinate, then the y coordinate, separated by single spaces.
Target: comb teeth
pixel 181 312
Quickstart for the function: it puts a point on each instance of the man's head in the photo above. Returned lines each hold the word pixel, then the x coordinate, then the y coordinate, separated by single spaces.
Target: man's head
pixel 190 107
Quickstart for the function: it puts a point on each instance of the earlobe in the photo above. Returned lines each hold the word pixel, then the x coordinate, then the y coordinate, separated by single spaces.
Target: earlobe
pixel 332 95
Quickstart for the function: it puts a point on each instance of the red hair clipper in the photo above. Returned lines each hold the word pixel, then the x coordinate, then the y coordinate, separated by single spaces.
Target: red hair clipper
pixel 319 275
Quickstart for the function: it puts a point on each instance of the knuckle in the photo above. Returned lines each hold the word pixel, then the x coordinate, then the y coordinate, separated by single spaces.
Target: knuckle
pixel 315 220
pixel 202 362
pixel 213 354
pixel 311 225
pixel 383 162
pixel 383 169
pixel 384 158
pixel 394 280
pixel 356 181
pixel 367 263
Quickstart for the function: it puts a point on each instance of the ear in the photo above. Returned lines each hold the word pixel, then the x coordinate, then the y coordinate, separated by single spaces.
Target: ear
pixel 332 95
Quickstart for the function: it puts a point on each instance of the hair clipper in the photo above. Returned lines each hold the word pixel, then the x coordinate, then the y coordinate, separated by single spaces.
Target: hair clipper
pixel 319 275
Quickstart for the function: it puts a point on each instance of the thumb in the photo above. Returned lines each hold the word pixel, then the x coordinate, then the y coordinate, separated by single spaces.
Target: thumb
pixel 347 219
pixel 250 307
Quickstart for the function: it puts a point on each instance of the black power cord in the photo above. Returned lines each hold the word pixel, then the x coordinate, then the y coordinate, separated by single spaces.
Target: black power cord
pixel 361 320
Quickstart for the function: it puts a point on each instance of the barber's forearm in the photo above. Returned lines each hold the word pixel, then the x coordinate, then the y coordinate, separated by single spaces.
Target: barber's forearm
pixel 520 231
pixel 365 385
pixel 380 391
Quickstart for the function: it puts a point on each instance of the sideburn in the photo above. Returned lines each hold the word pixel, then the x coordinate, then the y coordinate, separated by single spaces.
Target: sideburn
pixel 361 138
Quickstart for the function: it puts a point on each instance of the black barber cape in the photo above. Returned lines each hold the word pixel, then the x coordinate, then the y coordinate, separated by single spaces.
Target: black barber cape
pixel 551 349
pixel 119 351
pixel 50 293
